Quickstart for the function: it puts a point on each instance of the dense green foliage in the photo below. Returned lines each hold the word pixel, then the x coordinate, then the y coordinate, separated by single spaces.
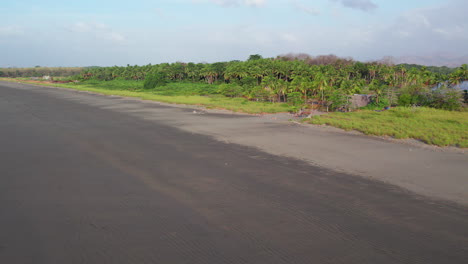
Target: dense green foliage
pixel 434 69
pixel 294 82
pixel 155 80
pixel 182 95
pixel 185 89
pixel 432 126
pixel 325 81
pixel 40 71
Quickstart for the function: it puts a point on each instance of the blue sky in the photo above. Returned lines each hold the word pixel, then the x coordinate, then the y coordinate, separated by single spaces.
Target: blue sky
pixel 90 32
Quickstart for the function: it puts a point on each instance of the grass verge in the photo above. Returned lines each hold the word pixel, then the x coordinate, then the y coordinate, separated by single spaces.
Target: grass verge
pixel 134 89
pixel 432 126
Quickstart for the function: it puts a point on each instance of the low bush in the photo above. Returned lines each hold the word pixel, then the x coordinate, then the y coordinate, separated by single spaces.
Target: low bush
pixel 230 90
pixel 154 80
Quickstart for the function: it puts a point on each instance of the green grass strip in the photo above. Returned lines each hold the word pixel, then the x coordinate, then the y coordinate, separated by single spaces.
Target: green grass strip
pixel 432 126
pixel 133 89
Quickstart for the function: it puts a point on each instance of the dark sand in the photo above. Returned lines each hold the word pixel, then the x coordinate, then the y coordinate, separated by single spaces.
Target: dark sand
pixel 95 179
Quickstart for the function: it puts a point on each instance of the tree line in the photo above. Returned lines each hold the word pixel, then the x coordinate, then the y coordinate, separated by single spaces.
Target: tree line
pixel 326 81
pixel 39 71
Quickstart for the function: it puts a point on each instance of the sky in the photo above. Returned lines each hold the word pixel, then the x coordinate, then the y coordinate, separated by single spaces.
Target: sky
pixel 139 32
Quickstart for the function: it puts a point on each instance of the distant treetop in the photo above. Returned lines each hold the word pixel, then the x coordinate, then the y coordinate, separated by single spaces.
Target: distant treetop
pixel 255 57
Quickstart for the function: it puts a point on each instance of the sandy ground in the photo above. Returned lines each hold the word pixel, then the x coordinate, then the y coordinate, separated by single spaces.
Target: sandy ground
pixel 439 173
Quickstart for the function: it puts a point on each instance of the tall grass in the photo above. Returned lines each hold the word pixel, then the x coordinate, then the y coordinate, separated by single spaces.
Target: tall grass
pixel 432 126
pixel 129 85
pixel 178 88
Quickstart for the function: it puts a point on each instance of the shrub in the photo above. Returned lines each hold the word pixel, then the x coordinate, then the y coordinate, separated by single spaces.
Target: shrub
pixel 258 93
pixel 295 98
pixel 230 90
pixel 383 102
pixel 248 81
pixel 415 95
pixel 447 99
pixel 407 99
pixel 154 80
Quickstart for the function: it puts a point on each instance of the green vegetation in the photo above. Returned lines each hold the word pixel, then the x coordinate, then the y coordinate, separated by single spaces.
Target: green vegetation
pixel 123 85
pixel 39 71
pixel 293 82
pixel 157 79
pixel 326 82
pixel 432 126
pixel 130 88
pixel 434 69
pixel 185 89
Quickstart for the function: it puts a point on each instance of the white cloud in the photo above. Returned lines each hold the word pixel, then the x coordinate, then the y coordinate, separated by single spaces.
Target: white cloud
pixel 257 3
pixel 79 27
pixel 305 8
pixel 427 30
pixel 160 12
pixel 234 3
pixel 10 31
pixel 289 37
pixel 426 24
pixel 225 3
pixel 402 33
pixel 364 5
pixel 416 18
pixel 117 37
pixel 418 31
pixel 97 31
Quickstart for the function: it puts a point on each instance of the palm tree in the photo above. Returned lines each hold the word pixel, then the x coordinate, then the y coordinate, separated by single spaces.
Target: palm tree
pixel 302 84
pixel 270 83
pixel 459 76
pixel 321 82
pixel 378 88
